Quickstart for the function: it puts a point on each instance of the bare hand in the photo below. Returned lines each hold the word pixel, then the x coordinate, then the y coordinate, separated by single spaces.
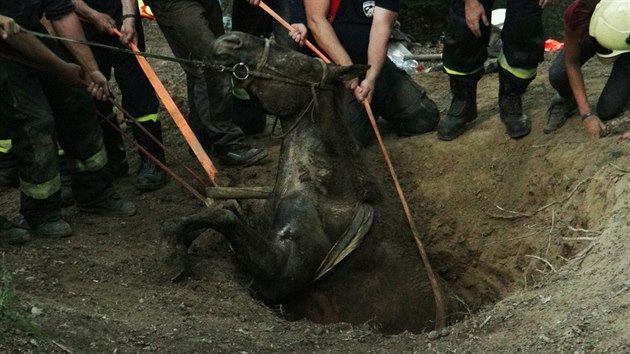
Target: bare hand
pixel 128 30
pixel 594 127
pixel 544 3
pixel 253 2
pixel 298 33
pixel 476 13
pixel 103 22
pixel 97 85
pixel 352 84
pixel 8 27
pixel 364 91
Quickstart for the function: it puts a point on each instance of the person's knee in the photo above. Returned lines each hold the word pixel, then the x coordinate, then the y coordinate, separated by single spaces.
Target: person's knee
pixel 422 118
pixel 608 108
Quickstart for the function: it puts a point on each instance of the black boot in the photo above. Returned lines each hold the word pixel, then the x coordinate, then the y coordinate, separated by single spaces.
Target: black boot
pixel 561 108
pixel 150 176
pixel 511 90
pixel 117 163
pixel 463 106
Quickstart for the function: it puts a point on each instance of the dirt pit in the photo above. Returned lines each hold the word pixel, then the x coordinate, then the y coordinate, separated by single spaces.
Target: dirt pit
pixel 529 235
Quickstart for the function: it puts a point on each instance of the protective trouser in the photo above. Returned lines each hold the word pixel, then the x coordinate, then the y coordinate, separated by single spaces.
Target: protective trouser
pixel 189 26
pixel 138 97
pixel 522 37
pixel 253 20
pixel 616 93
pixel 399 100
pixel 34 105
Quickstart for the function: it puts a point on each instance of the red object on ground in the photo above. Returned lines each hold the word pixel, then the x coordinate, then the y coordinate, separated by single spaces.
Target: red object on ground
pixel 552 45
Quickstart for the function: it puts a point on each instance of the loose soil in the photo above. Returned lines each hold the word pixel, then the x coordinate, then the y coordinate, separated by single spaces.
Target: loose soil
pixel 528 234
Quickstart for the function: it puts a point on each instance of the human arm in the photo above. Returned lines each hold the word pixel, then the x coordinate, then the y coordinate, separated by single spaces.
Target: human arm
pixel 103 22
pixel 380 32
pixel 475 13
pixel 572 53
pixel 324 34
pixel 68 26
pixel 34 52
pixel 129 18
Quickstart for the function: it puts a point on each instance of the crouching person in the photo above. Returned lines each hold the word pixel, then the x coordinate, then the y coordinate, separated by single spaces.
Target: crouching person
pixel 40 108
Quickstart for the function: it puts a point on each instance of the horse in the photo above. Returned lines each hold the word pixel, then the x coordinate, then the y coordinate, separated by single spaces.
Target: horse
pixel 327 245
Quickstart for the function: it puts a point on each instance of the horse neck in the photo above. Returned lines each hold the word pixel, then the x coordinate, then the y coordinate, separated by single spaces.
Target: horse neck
pixel 320 150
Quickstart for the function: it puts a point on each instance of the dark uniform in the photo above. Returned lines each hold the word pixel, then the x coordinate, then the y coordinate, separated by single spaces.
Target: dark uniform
pixel 138 98
pixel 37 109
pixel 397 98
pixel 190 26
pixel 464 55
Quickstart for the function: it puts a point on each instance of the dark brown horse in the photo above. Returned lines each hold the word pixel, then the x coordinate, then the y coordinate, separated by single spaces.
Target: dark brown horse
pixel 323 205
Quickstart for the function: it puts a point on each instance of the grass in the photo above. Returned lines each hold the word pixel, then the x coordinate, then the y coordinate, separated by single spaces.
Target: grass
pixel 12 317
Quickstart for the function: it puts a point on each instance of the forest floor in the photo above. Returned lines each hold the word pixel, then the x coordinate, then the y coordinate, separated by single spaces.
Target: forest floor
pixel 541 220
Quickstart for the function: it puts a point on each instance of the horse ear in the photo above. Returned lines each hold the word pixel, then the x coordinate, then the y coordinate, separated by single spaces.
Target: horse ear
pixel 346 73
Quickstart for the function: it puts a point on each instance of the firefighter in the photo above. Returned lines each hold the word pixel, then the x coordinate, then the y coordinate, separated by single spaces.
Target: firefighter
pixel 40 108
pixel 591 28
pixel 465 52
pixel 189 27
pixel 358 33
pixel 138 97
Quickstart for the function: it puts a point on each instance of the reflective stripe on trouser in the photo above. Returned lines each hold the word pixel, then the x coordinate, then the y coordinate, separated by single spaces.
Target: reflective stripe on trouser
pixel 521 73
pixel 41 190
pixel 460 73
pixel 92 163
pixel 148 118
pixel 5 146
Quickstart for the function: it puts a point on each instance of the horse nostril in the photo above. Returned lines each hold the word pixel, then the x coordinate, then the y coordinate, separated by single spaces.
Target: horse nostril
pixel 234 40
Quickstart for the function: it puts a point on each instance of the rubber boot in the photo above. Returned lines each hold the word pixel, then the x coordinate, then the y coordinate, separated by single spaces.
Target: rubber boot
pixel 511 90
pixel 117 163
pixel 149 176
pixel 463 109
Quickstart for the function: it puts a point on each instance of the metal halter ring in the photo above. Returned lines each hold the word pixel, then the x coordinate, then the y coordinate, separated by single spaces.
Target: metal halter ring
pixel 240 71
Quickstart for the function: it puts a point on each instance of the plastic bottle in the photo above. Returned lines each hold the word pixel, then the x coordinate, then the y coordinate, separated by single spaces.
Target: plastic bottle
pixel 396 52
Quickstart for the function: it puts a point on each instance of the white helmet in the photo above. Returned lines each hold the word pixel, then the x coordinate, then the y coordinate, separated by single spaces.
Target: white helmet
pixel 610 26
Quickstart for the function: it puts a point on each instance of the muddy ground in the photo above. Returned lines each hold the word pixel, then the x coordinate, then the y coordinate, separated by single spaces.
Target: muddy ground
pixel 530 234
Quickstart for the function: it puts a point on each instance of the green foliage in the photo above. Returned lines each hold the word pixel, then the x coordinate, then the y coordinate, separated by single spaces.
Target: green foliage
pixel 11 316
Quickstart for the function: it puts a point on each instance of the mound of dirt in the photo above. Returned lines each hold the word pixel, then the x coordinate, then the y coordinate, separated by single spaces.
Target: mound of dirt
pixel 528 234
